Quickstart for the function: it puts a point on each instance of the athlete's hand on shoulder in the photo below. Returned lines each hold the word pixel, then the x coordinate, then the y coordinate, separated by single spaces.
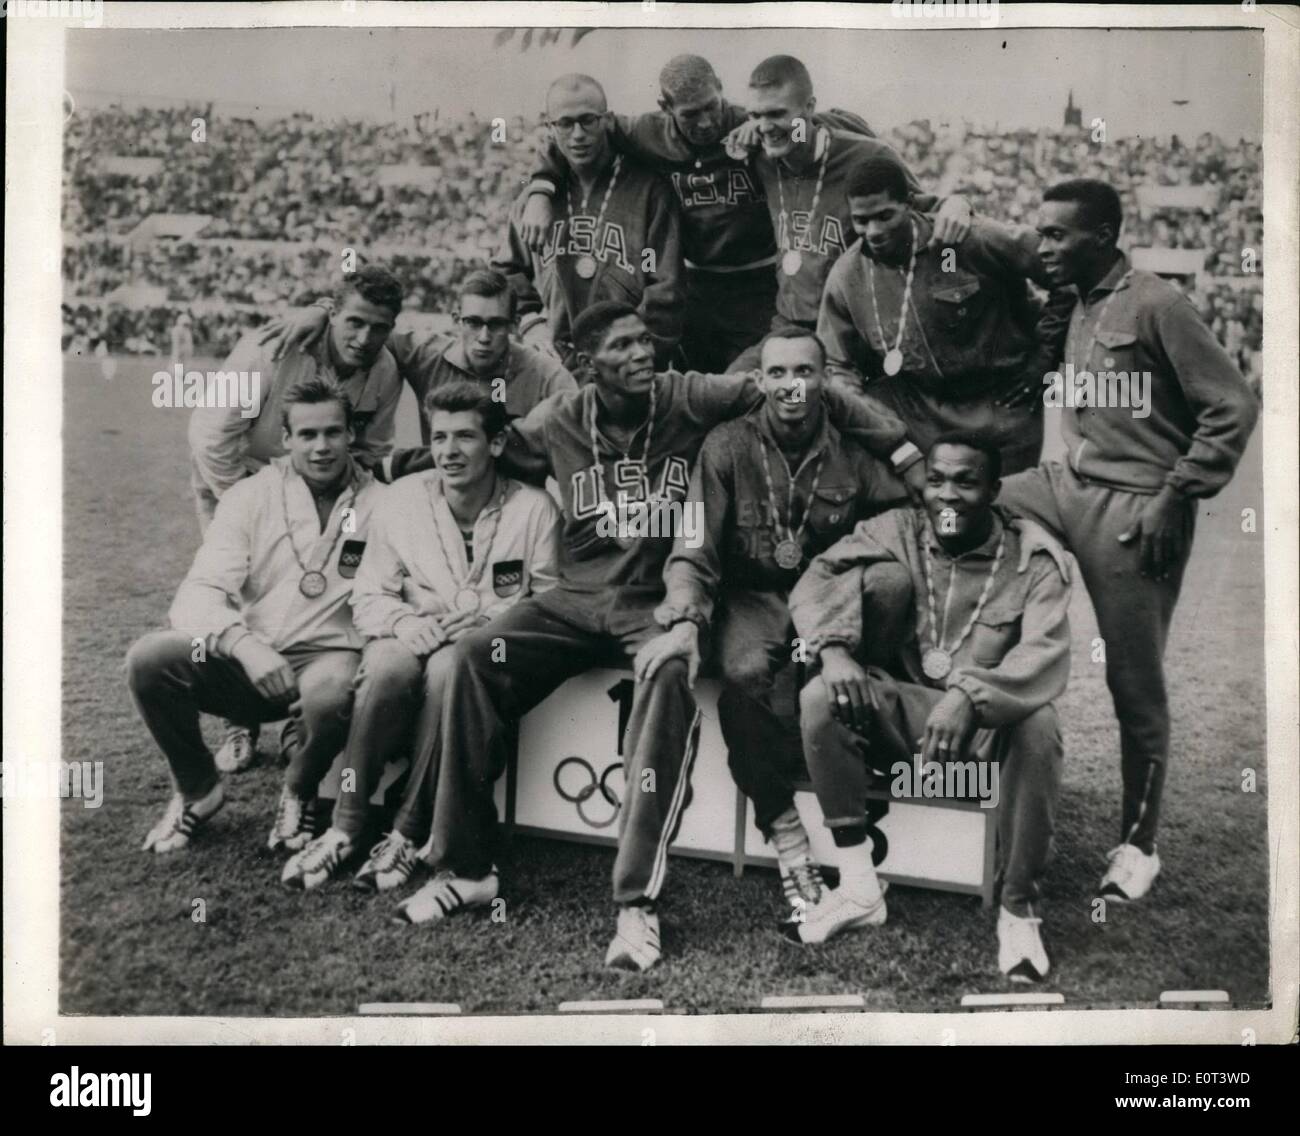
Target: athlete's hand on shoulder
pixel 535 222
pixel 681 642
pixel 538 337
pixel 848 687
pixel 1163 532
pixel 267 669
pixel 914 482
pixel 297 329
pixel 742 141
pixel 952 222
pixel 949 727
pixel 457 624
pixel 419 634
pixel 1035 538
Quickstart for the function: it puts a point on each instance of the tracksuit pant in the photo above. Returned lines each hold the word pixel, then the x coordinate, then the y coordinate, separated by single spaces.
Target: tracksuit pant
pixel 1133 616
pixel 1029 756
pixel 398 711
pixel 726 312
pixel 502 671
pixel 171 689
pixel 755 642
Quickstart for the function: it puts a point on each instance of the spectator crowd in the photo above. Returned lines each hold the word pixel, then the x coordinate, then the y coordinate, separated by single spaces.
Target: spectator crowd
pixel 316 188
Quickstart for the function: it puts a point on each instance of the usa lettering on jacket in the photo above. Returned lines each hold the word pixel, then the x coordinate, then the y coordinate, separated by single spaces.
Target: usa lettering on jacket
pixel 576 236
pixel 830 237
pixel 629 484
pixel 708 189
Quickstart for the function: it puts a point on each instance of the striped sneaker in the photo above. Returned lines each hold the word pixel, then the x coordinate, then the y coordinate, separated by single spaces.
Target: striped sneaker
pixel 318 862
pixel 446 894
pixel 182 819
pixel 635 945
pixel 389 865
pixel 295 821
pixel 801 882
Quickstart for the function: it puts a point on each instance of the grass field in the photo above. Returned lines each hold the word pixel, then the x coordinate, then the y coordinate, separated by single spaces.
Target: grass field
pixel 129 945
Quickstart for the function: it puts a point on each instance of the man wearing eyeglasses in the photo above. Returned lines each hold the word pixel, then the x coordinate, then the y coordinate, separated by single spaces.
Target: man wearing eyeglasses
pixel 615 236
pixel 479 348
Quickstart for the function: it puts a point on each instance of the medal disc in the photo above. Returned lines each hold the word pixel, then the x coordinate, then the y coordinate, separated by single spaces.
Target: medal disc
pixel 788 554
pixel 791 262
pixel 312 584
pixel 893 361
pixel 586 266
pixel 936 663
pixel 467 599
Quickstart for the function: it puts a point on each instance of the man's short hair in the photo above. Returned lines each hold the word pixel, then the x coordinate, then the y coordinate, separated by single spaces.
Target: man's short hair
pixel 778 70
pixel 793 333
pixel 590 327
pixel 688 77
pixel 375 284
pixel 575 82
pixel 489 283
pixel 466 394
pixel 974 441
pixel 317 388
pixel 1098 201
pixel 879 174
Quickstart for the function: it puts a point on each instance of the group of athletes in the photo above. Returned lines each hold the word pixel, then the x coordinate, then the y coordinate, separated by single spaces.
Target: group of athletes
pixel 756 310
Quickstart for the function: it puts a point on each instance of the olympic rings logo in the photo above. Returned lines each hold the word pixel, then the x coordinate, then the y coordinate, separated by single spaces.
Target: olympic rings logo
pixel 596 785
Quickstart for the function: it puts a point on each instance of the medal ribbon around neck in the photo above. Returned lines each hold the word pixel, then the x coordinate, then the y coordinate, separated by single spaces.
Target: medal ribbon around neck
pixel 467 586
pixel 313 583
pixel 648 425
pixel 786 244
pixel 792 537
pixel 894 355
pixel 586 266
pixel 943 665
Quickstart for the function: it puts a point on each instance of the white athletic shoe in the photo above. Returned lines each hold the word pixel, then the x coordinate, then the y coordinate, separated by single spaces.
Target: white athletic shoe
pixel 238 752
pixel 389 865
pixel 1021 955
pixel 635 945
pixel 446 894
pixel 318 862
pixel 1131 873
pixel 837 911
pixel 295 820
pixel 182 819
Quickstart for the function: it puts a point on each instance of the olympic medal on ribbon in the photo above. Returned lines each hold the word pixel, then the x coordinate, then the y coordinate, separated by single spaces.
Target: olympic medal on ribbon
pixel 788 554
pixel 467 599
pixel 586 266
pixel 791 262
pixel 312 584
pixel 936 664
pixel 893 361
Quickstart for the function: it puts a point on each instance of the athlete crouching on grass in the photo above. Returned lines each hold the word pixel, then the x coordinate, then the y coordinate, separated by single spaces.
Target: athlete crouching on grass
pixel 449 551
pixel 630 435
pixel 973 677
pixel 261 628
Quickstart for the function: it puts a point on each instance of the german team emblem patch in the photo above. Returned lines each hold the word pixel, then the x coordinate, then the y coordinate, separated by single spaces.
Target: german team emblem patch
pixel 350 557
pixel 507 577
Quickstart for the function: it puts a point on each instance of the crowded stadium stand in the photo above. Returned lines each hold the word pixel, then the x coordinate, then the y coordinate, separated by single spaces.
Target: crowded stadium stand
pixel 256 215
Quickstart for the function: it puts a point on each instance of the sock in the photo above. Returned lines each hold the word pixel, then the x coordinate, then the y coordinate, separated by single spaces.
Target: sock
pixel 790 839
pixel 857 872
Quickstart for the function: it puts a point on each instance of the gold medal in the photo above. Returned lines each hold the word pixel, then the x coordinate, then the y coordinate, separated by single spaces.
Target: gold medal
pixel 312 585
pixel 788 555
pixel 791 262
pixel 893 361
pixel 586 266
pixel 936 664
pixel 467 599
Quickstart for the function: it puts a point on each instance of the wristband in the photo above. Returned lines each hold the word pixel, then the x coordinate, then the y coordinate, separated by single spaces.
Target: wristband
pixel 906 455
